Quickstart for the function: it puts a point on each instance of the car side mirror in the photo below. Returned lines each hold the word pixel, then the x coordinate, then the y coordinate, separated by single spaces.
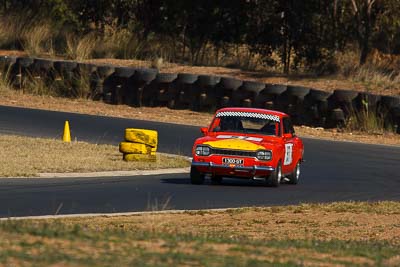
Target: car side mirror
pixel 204 130
pixel 287 135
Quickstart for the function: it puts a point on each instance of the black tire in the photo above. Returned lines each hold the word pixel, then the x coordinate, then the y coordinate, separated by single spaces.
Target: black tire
pixel 275 89
pixel 297 91
pixel 337 114
pixel 105 70
pixel 230 83
pixel 388 102
pixel 216 179
pixel 255 87
pixel 345 95
pixel 295 175
pixel 65 66
pixel 195 176
pixel 187 78
pixel 171 103
pixel 395 112
pixel 337 118
pixel 7 60
pixel 145 76
pixel 86 68
pixel 24 62
pixel 207 80
pixel 367 100
pixel 275 178
pixel 124 72
pixel 165 77
pixel 318 95
pixel 43 64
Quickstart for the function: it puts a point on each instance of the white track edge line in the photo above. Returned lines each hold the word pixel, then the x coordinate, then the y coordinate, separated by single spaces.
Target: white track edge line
pixel 135 213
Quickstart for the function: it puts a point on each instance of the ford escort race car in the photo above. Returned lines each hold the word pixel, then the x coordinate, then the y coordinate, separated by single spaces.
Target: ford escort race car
pixel 248 143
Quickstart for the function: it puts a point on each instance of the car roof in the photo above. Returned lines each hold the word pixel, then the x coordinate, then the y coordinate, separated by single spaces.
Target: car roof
pixel 257 110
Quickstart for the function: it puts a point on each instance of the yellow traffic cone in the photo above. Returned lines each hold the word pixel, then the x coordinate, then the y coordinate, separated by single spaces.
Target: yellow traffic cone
pixel 67 133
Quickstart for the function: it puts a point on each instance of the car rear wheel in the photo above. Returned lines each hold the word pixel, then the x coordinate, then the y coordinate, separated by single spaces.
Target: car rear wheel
pixel 196 177
pixel 276 177
pixel 295 175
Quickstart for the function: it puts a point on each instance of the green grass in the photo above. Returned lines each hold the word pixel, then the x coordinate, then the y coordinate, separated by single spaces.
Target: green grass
pixel 119 247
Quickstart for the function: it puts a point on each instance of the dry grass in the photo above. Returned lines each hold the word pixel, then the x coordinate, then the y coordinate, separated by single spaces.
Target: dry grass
pixel 37 40
pixel 9 31
pixel 80 48
pixel 338 234
pixel 379 75
pixel 346 221
pixel 25 156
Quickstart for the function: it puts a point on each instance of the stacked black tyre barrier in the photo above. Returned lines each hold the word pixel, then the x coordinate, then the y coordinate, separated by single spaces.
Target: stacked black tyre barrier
pixel 140 83
pixel 247 94
pixel 269 98
pixel 295 103
pixel 6 65
pixel 316 107
pixel 67 78
pixel 116 85
pixel 21 72
pixel 184 84
pixel 161 90
pixel 147 87
pixel 203 95
pixel 225 91
pixel 99 84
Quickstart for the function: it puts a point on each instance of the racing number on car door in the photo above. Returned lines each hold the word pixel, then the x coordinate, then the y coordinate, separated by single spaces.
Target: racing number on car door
pixel 288 154
pixel 288 129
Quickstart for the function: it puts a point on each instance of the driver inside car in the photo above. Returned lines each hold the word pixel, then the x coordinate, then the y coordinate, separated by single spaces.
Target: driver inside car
pixel 230 124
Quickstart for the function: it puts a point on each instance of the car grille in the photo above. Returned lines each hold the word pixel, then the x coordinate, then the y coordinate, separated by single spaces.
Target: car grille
pixel 241 153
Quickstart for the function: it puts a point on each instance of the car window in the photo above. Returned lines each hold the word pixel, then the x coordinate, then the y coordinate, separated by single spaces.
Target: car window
pixel 288 126
pixel 243 124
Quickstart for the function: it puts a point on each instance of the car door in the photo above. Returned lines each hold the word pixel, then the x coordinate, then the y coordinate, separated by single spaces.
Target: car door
pixel 291 146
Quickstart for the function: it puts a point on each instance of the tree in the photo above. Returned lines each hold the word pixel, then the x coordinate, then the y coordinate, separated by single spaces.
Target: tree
pixel 365 13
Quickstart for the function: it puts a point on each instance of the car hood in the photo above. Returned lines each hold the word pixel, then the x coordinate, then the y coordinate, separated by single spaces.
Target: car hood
pixel 239 142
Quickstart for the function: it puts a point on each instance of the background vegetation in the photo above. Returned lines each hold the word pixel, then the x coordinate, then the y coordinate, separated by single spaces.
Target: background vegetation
pixel 280 35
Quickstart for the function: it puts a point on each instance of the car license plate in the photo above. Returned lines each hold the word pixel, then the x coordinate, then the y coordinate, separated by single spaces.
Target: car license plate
pixel 232 161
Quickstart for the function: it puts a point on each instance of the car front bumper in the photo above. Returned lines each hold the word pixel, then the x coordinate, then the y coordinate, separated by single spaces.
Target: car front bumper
pixel 243 171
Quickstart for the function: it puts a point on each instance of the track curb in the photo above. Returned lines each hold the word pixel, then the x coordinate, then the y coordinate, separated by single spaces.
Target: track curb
pixel 109 215
pixel 114 173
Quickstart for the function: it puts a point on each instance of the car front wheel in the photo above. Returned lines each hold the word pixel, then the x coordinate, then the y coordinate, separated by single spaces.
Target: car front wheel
pixel 196 177
pixel 276 177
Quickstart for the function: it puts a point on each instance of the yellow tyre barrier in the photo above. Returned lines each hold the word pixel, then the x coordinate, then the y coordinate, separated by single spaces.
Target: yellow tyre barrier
pixel 147 137
pixel 139 157
pixel 135 148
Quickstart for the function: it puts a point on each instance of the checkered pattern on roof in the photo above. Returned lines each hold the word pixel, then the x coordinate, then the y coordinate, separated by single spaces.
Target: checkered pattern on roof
pixel 249 115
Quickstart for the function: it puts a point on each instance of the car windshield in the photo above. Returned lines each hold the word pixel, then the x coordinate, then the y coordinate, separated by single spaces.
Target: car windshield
pixel 251 124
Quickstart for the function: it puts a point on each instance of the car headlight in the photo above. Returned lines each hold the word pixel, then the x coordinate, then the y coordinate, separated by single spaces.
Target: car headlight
pixel 264 155
pixel 203 150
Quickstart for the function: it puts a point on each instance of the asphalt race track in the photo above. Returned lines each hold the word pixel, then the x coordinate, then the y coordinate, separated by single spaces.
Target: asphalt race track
pixel 333 171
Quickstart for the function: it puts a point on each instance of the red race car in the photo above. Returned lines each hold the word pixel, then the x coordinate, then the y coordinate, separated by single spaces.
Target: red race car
pixel 248 143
